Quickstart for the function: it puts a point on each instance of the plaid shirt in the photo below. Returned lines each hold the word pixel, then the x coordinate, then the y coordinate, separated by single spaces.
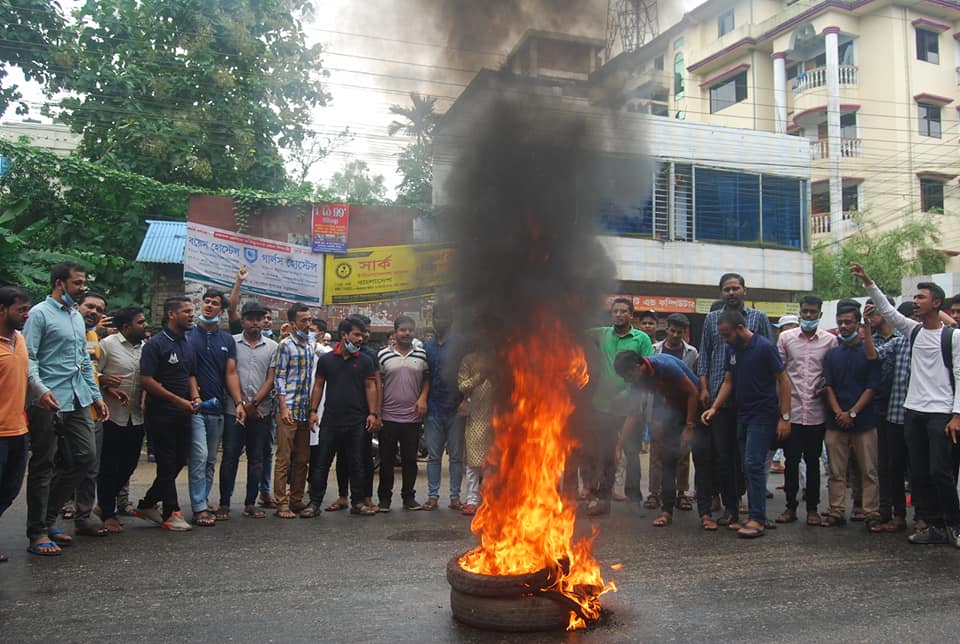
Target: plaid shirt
pixel 713 349
pixel 897 349
pixel 293 381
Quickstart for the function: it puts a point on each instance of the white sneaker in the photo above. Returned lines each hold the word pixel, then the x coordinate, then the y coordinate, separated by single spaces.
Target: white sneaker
pixel 176 523
pixel 149 514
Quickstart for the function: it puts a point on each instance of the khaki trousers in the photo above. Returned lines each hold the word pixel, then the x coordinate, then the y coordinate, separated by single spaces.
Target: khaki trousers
pixel 293 446
pixel 864 446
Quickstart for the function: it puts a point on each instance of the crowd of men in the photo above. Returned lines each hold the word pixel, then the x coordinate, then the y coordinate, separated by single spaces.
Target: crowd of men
pixel 85 387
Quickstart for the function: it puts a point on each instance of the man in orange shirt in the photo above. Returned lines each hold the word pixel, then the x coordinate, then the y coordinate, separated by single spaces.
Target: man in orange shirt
pixel 14 444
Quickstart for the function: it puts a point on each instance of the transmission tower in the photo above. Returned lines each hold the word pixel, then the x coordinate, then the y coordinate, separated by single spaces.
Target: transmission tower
pixel 634 22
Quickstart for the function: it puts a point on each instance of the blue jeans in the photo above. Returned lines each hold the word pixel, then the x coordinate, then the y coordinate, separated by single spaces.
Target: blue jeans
pixel 444 432
pixel 13 464
pixel 756 439
pixel 207 431
pixel 251 436
pixel 269 444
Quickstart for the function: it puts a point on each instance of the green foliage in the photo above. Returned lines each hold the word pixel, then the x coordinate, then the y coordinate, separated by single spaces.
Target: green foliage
pixel 887 256
pixel 203 93
pixel 355 184
pixel 30 33
pixel 415 162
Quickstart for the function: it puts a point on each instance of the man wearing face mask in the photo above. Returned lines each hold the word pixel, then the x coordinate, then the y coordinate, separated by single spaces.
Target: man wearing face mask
pixel 802 351
pixel 61 372
pixel 216 353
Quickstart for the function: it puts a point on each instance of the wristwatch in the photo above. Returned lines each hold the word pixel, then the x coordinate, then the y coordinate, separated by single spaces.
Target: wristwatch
pixel 375 414
pixel 785 416
pixel 853 414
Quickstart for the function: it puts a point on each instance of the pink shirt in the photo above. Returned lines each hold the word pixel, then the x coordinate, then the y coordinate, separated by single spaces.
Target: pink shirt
pixel 802 357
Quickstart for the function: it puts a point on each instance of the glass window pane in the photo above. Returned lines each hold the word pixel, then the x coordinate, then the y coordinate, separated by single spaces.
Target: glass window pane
pixel 728 92
pixel 727 206
pixel 782 211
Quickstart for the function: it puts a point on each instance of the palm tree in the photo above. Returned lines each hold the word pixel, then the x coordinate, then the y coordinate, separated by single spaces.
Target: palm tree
pixel 421 119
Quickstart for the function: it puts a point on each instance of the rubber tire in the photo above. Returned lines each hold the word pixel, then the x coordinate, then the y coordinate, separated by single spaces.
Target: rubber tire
pixel 524 613
pixel 471 583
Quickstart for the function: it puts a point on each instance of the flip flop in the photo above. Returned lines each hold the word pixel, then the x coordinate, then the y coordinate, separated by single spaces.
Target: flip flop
pixel 336 506
pixel 204 519
pixel 89 529
pixel 751 530
pixel 253 513
pixel 60 537
pixel 35 549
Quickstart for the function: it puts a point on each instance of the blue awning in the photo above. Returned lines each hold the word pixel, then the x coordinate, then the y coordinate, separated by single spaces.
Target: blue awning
pixel 164 243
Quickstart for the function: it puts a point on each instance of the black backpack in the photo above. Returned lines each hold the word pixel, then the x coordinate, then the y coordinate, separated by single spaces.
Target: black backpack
pixel 946 348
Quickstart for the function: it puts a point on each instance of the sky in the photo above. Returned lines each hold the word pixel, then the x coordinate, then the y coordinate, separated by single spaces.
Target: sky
pixel 378 51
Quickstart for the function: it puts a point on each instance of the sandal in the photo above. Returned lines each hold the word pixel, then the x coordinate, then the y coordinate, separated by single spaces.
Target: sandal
pixel 431 504
pixel 89 529
pixel 813 518
pixel 336 505
pixel 469 510
pixel 455 503
pixel 44 549
pixel 127 509
pixel 896 524
pixel 363 510
pixel 223 513
pixel 309 512
pixel 707 523
pixel 663 520
pixel 268 502
pixel 68 512
pixel 253 512
pixel 113 525
pixel 875 525
pixel 788 516
pixel 830 521
pixel 205 519
pixel 597 507
pixel 684 502
pixel 652 502
pixel 60 537
pixel 751 530
pixel 858 515
pixel 286 513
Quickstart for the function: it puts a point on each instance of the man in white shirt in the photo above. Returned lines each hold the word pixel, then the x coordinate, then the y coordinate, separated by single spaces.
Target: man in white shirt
pixel 932 422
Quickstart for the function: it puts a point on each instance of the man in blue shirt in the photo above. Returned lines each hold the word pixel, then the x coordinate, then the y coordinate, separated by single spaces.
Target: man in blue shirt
pixel 677 385
pixel 61 375
pixel 757 382
pixel 216 353
pixel 851 381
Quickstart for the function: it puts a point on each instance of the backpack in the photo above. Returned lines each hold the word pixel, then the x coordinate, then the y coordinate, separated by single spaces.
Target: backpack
pixel 946 348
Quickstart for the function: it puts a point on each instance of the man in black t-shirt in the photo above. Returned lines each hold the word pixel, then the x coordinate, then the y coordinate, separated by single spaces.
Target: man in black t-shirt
pixel 168 375
pixel 351 411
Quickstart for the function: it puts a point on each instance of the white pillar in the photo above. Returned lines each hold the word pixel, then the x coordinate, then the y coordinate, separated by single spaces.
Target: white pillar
pixel 779 92
pixel 831 43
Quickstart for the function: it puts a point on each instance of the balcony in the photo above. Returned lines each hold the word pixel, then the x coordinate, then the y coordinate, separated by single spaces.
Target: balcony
pixel 815 78
pixel 849 148
pixel 820 222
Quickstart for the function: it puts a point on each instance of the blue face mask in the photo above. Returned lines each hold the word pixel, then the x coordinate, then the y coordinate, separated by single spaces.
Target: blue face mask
pixel 847 338
pixel 267 333
pixel 206 320
pixel 312 338
pixel 350 347
pixel 68 301
pixel 809 326
pixel 303 335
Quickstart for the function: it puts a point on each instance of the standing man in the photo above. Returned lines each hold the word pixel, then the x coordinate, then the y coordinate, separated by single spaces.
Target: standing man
pixel 266 487
pixel 62 374
pixel 14 442
pixel 802 351
pixel 674 345
pixel 851 380
pixel 756 380
pixel 444 426
pixel 932 421
pixel 168 374
pixel 721 440
pixel 609 403
pixel 350 413
pixel 216 353
pixel 123 433
pixel 406 386
pixel 293 369
pixel 255 357
pixel 955 308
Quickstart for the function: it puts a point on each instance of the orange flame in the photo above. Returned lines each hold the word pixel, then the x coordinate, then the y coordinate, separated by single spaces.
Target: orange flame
pixel 524 523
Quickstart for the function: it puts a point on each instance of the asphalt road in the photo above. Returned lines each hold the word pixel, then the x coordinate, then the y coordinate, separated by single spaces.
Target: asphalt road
pixel 343 578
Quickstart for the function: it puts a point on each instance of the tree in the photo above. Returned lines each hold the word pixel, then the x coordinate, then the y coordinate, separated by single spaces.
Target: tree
pixel 355 184
pixel 203 93
pixel 302 156
pixel 30 34
pixel 415 161
pixel 887 256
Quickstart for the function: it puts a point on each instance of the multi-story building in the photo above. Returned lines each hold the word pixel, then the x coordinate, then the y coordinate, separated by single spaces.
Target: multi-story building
pixel 871 84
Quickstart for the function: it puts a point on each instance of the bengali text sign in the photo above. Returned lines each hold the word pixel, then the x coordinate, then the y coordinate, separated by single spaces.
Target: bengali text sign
pixel 386 272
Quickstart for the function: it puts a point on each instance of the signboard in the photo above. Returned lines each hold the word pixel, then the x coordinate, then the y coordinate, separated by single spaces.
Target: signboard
pixel 328 232
pixel 385 273
pixel 276 269
pixel 777 309
pixel 659 303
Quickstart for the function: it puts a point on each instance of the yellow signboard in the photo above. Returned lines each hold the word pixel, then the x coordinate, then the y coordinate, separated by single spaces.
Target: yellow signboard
pixel 777 309
pixel 385 272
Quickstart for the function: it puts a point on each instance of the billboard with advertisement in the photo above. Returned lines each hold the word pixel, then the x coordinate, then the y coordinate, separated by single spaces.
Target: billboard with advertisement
pixel 329 228
pixel 386 272
pixel 659 303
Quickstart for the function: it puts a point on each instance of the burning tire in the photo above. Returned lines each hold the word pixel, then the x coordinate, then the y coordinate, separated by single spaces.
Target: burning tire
pixel 470 583
pixel 521 613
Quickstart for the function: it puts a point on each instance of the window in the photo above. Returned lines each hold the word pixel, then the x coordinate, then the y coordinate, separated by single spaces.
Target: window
pixel 845 53
pixel 659 109
pixel 678 72
pixel 931 195
pixel 820 202
pixel 727 205
pixel 929 120
pixel 725 23
pixel 658 63
pixel 793 70
pixel 851 198
pixel 730 91
pixel 848 125
pixel 928 46
pixel 782 217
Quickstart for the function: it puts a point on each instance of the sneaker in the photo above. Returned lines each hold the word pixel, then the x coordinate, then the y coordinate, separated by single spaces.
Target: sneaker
pixel 929 536
pixel 953 536
pixel 149 514
pixel 176 523
pixel 412 504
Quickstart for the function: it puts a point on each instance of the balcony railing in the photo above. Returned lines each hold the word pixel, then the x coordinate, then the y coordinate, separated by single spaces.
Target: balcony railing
pixel 849 148
pixel 820 222
pixel 814 78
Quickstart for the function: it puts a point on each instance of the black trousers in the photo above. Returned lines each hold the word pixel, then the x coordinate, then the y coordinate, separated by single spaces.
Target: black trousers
pixel 669 430
pixel 892 463
pixel 933 485
pixel 600 462
pixel 805 441
pixel 118 460
pixel 172 433
pixel 405 436
pixel 347 444
pixel 343 467
pixel 716 456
